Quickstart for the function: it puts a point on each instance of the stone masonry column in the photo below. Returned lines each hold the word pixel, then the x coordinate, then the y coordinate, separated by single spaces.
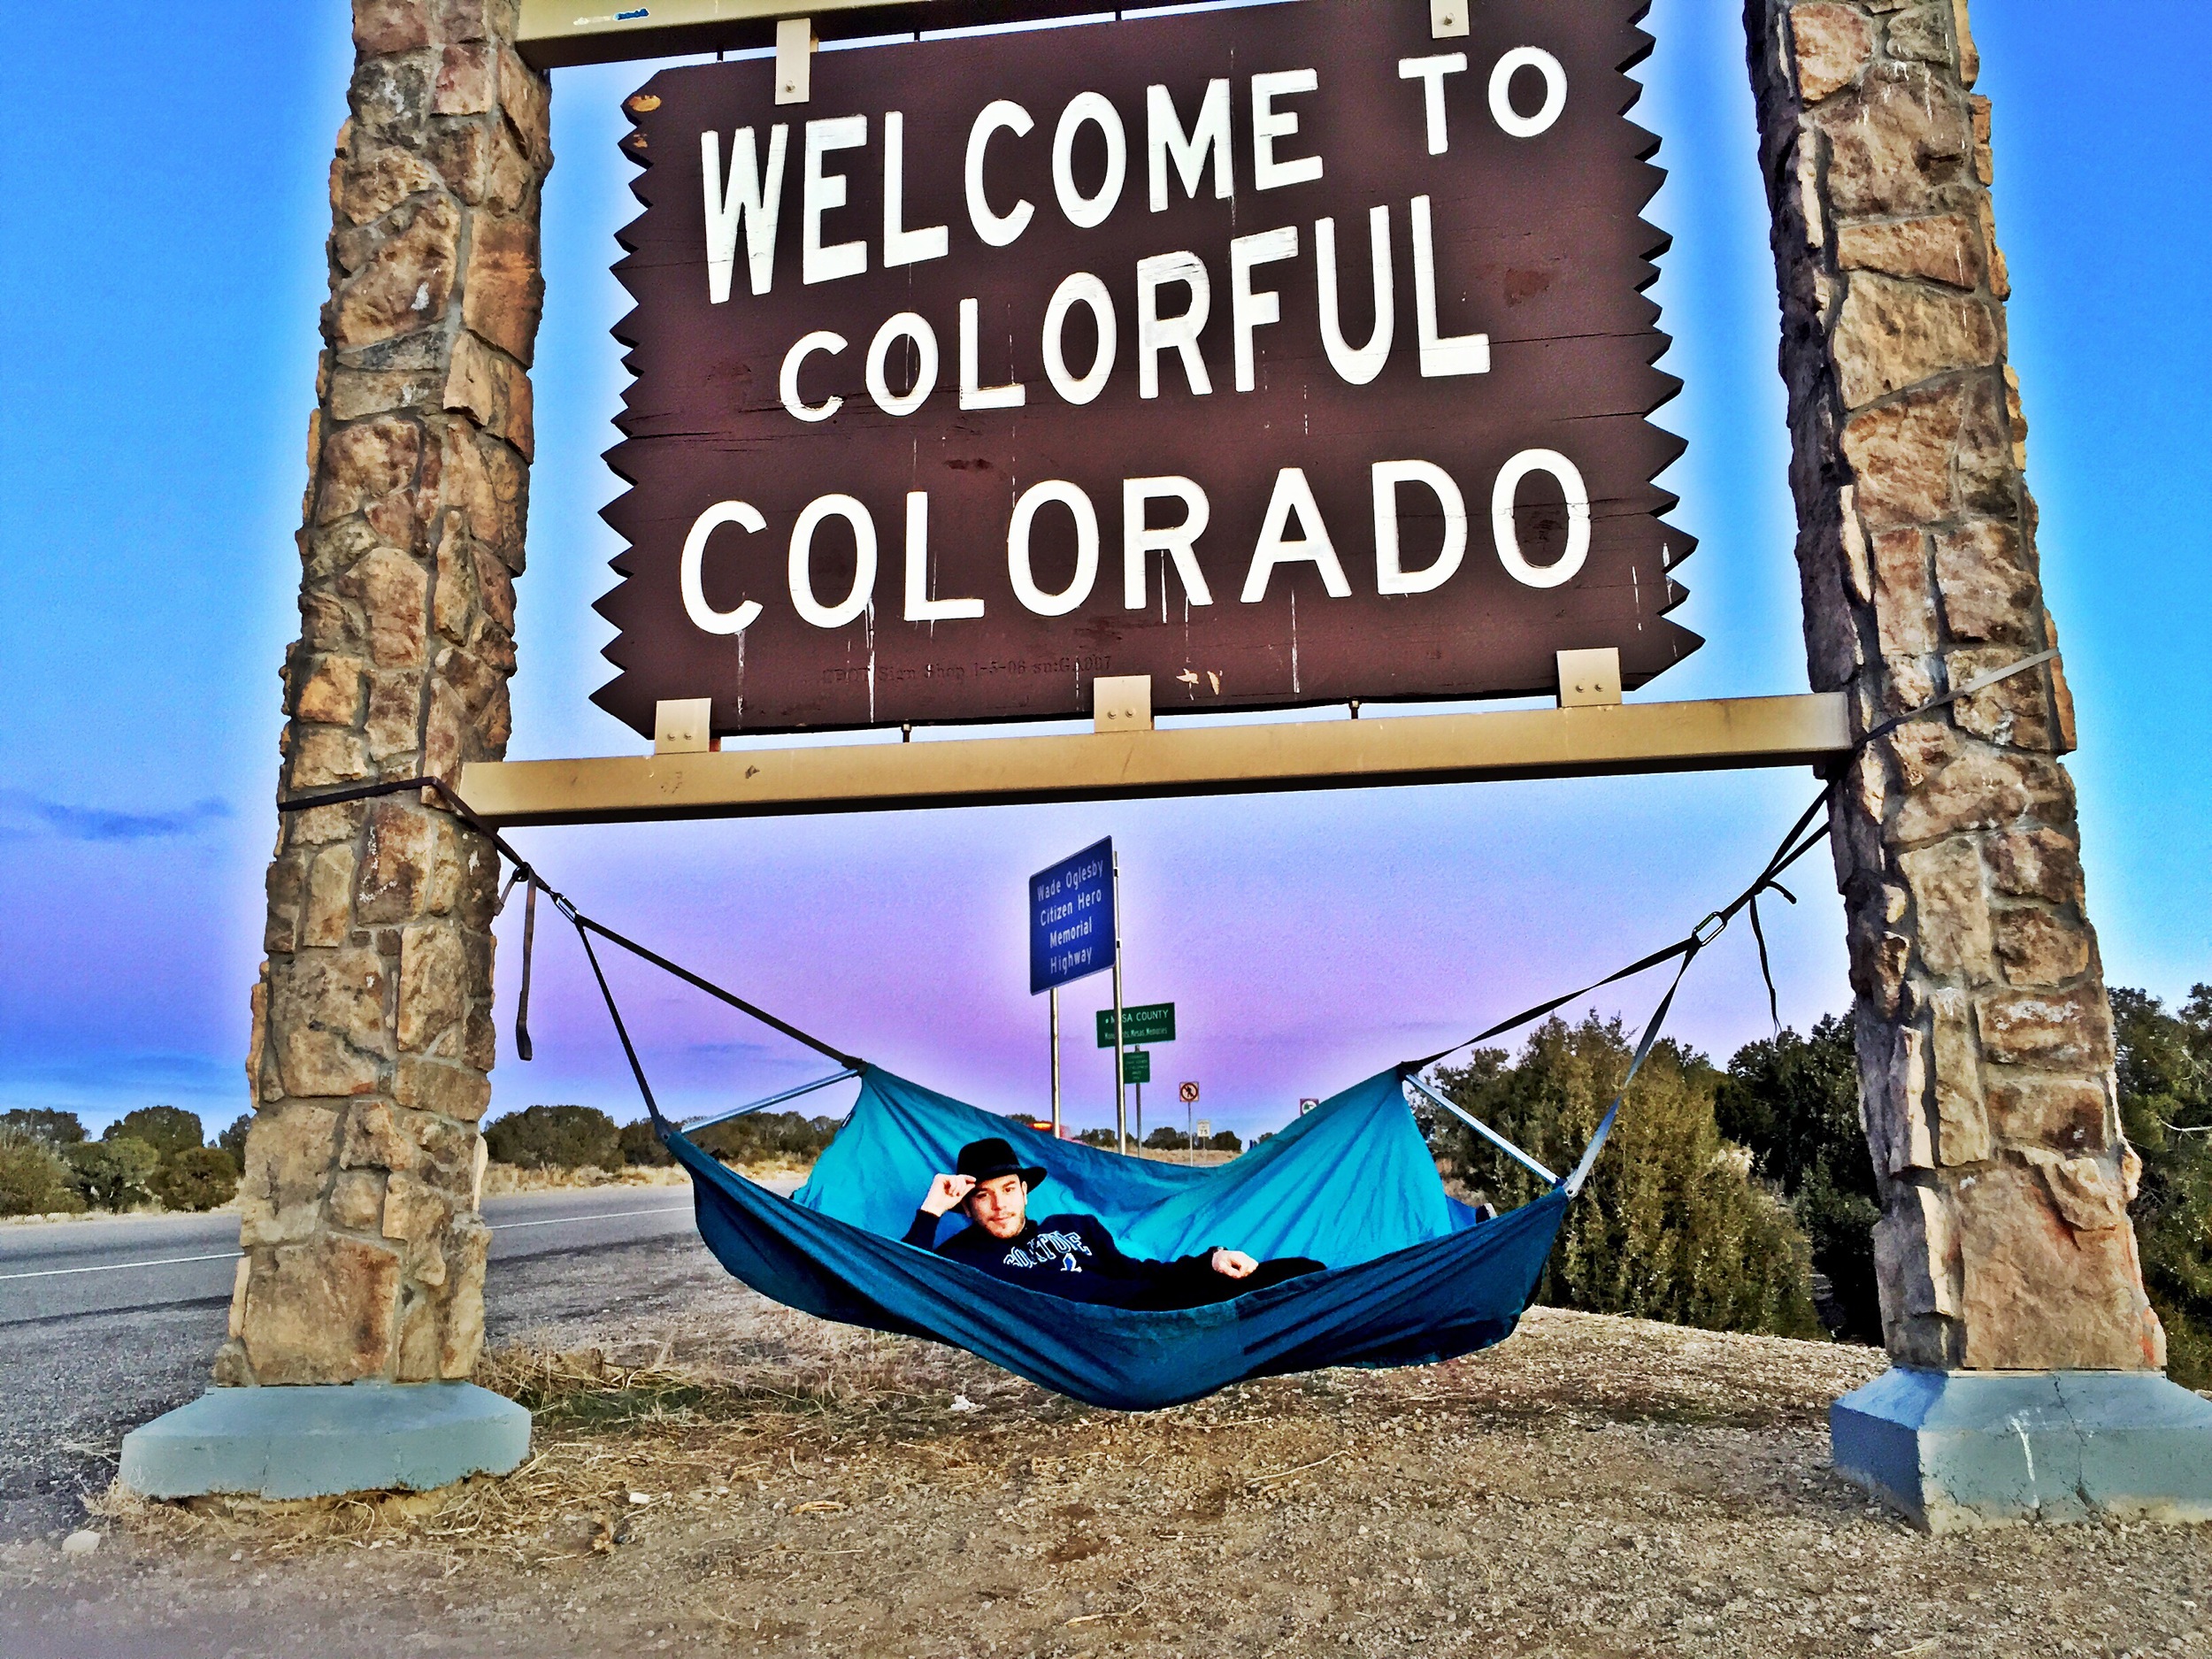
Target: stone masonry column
pixel 1985 1039
pixel 372 1031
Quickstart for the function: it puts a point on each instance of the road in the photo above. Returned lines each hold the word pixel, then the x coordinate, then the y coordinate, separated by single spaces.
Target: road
pixel 106 1322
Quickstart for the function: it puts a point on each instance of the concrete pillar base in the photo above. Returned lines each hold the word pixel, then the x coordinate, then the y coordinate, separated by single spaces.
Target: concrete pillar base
pixel 1957 1450
pixel 312 1442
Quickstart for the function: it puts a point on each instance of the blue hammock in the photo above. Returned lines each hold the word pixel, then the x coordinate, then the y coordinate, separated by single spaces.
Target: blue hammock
pixel 1412 1276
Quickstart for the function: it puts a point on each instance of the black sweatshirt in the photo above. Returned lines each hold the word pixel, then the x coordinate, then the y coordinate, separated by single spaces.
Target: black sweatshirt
pixel 1076 1257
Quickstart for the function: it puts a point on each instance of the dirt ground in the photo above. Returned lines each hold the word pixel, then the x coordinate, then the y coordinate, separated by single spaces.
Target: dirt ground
pixel 735 1479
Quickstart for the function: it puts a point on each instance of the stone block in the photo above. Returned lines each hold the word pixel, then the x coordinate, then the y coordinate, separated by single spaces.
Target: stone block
pixel 1904 607
pixel 1901 458
pixel 320 1309
pixel 364 462
pixel 1891 336
pixel 1952 911
pixel 288 1166
pixel 434 984
pixel 468 1243
pixel 357 1200
pixel 2039 949
pixel 1978 790
pixel 2065 1114
pixel 1898 145
pixel 2059 1029
pixel 391 96
pixel 322 756
pixel 2086 1189
pixel 458 1092
pixel 526 97
pixel 330 692
pixel 1987 594
pixel 2037 1293
pixel 1957 1450
pixel 356 393
pixel 329 897
pixel 394 726
pixel 393 593
pixel 408 866
pixel 415 1210
pixel 389 26
pixel 2012 712
pixel 1916 1250
pixel 419 1337
pixel 2038 864
pixel 503 292
pixel 312 1442
pixel 1985 479
pixel 376 178
pixel 403 284
pixel 1832 44
pixel 492 389
pixel 285 890
pixel 1919 35
pixel 1961 1120
pixel 377 1139
pixel 1949 248
pixel 468 79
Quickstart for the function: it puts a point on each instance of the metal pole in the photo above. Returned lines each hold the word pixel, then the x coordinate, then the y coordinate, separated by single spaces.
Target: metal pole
pixel 1139 1087
pixel 1053 999
pixel 1121 1116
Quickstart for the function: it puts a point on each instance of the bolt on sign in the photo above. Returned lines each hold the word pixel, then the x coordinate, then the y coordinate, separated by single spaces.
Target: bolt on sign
pixel 1286 355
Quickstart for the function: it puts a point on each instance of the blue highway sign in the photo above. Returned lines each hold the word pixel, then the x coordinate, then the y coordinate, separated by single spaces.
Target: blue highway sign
pixel 1072 918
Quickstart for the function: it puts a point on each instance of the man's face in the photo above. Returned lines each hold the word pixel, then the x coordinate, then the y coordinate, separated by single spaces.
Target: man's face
pixel 1000 1205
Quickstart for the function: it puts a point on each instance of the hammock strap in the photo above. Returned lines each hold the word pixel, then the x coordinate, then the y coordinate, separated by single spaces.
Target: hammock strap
pixel 526 871
pixel 614 1012
pixel 1485 1130
pixel 708 1120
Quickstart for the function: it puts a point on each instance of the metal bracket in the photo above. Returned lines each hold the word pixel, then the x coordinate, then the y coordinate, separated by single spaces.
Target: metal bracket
pixel 683 725
pixel 795 50
pixel 1121 702
pixel 1447 18
pixel 1589 680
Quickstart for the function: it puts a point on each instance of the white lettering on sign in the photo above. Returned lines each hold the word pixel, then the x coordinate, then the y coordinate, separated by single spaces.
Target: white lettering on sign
pixel 821 262
pixel 689 575
pixel 902 246
pixel 802 569
pixel 996 229
pixel 1165 141
pixel 752 198
pixel 1510 121
pixel 1089 108
pixel 1508 540
pixel 1052 491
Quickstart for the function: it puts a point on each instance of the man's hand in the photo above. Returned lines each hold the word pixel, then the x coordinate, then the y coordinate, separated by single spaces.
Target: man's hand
pixel 1233 1263
pixel 946 1192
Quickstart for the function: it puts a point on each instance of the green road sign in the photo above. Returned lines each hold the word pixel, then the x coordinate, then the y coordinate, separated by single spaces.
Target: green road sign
pixel 1150 1022
pixel 1136 1066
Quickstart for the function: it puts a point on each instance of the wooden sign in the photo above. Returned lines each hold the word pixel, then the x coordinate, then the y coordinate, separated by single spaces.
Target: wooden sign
pixel 1286 355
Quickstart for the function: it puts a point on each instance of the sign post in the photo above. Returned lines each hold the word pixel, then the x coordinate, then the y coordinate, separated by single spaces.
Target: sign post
pixel 1074 910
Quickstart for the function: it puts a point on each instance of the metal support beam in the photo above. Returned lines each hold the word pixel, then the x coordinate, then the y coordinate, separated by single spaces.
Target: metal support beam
pixel 1813 729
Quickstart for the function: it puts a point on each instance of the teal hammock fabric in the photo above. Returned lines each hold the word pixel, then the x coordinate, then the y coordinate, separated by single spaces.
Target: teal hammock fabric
pixel 1411 1276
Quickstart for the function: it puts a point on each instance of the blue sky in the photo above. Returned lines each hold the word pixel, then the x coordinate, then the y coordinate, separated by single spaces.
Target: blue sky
pixel 159 277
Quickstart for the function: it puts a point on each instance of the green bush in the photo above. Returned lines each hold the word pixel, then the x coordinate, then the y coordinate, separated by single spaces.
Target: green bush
pixel 1165 1139
pixel 232 1140
pixel 2165 1077
pixel 555 1138
pixel 1098 1138
pixel 34 1180
pixel 767 1138
pixel 55 1128
pixel 1795 1101
pixel 1225 1140
pixel 642 1146
pixel 199 1178
pixel 1671 1224
pixel 168 1130
pixel 113 1173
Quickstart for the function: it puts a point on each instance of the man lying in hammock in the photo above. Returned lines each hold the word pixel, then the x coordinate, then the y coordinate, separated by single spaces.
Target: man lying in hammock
pixel 1072 1255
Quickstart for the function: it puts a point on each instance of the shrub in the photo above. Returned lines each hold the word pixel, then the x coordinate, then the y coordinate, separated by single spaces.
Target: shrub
pixel 55 1128
pixel 168 1130
pixel 113 1173
pixel 232 1140
pixel 199 1178
pixel 1165 1139
pixel 1795 1101
pixel 767 1138
pixel 34 1180
pixel 1225 1140
pixel 1671 1225
pixel 555 1138
pixel 640 1145
pixel 1098 1138
pixel 2165 1078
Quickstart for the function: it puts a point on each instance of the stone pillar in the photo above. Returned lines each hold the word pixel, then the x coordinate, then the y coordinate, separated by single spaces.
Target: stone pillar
pixel 372 1031
pixel 1985 1039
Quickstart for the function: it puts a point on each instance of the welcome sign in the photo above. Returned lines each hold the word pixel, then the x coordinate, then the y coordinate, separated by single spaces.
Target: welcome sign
pixel 1285 355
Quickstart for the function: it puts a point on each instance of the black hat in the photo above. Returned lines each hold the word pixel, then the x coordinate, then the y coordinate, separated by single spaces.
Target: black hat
pixel 989 1158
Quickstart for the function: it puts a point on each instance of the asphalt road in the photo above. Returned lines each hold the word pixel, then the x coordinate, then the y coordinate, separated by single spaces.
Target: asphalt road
pixel 104 1324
